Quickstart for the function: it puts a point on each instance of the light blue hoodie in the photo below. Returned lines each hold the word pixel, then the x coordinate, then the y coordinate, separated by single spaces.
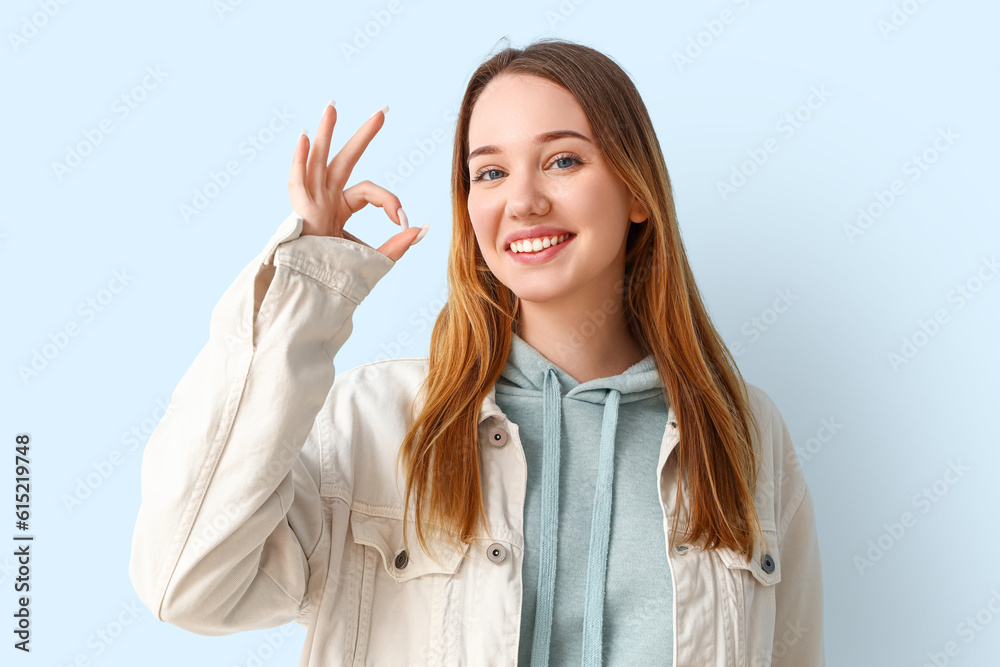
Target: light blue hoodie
pixel 596 581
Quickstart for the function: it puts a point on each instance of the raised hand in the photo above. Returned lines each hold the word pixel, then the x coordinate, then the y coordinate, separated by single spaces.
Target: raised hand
pixel 317 193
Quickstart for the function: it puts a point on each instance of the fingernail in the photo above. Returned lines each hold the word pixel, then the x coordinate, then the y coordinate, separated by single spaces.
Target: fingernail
pixel 384 110
pixel 332 103
pixel 305 132
pixel 423 231
pixel 403 222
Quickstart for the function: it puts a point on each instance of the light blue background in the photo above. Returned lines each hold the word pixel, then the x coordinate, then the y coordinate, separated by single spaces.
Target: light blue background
pixel 825 357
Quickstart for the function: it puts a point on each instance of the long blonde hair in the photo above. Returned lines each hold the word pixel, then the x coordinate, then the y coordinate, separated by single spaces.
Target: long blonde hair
pixel 663 310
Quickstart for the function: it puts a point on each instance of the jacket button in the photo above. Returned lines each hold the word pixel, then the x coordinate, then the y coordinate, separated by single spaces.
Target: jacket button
pixel 402 559
pixel 767 563
pixel 496 552
pixel 498 436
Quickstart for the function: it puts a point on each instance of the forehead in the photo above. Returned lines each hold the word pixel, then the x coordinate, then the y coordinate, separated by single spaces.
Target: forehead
pixel 515 107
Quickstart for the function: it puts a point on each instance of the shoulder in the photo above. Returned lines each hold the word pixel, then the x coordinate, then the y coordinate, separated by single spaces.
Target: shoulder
pixel 780 482
pixel 385 373
pixel 382 390
pixel 366 416
pixel 377 387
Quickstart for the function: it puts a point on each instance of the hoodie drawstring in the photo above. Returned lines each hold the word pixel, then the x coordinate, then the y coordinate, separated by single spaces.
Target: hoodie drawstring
pixel 600 527
pixel 551 436
pixel 597 560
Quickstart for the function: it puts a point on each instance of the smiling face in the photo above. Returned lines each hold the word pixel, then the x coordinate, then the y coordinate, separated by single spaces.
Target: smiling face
pixel 537 171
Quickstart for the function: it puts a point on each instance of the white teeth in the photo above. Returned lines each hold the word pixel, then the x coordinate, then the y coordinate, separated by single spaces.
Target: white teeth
pixel 534 245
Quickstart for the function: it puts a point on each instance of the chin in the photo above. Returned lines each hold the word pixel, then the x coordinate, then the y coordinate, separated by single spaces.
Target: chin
pixel 536 293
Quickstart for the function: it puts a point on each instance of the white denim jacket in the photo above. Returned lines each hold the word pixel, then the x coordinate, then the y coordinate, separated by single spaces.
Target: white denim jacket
pixel 269 495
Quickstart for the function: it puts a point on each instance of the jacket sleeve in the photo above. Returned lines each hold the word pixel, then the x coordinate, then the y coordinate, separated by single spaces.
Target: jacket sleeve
pixel 231 508
pixel 798 623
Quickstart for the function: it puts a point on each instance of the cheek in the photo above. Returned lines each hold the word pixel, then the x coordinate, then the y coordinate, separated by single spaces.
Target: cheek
pixel 484 224
pixel 605 205
pixel 593 210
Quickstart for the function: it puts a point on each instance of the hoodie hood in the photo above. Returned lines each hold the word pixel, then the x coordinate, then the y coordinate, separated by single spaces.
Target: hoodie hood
pixel 527 372
pixel 526 369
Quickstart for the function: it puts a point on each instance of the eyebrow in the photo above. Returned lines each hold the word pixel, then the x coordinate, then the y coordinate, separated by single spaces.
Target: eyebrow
pixel 540 139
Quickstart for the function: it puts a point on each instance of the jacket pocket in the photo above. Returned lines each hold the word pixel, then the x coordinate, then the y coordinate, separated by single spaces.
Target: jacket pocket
pixel 404 562
pixel 753 587
pixel 411 600
pixel 765 565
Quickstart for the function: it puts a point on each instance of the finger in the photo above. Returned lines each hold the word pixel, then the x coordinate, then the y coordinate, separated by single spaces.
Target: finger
pixel 321 148
pixel 366 192
pixel 297 175
pixel 396 246
pixel 343 162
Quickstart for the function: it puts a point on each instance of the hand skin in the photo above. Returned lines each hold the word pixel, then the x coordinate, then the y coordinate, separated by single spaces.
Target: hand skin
pixel 317 193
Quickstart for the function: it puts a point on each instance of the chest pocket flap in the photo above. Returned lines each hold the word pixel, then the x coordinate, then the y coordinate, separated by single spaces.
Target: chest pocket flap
pixel 385 534
pixel 765 565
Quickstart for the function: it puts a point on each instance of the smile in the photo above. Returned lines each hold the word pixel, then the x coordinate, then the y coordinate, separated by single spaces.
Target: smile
pixel 537 244
pixel 524 251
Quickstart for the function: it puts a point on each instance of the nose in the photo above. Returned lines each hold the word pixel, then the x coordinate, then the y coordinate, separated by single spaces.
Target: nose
pixel 526 195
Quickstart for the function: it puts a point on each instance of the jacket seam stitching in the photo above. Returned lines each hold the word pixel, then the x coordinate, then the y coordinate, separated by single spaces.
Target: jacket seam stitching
pixel 306 610
pixel 788 512
pixel 284 514
pixel 318 273
pixel 319 539
pixel 338 492
pixel 324 422
pixel 381 361
pixel 787 517
pixel 197 498
pixel 782 518
pixel 389 512
pixel 266 307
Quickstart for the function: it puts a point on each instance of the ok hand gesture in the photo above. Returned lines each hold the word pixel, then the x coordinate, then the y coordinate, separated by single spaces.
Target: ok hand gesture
pixel 317 189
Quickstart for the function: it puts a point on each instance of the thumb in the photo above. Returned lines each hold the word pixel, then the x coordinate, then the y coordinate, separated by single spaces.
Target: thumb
pixel 396 246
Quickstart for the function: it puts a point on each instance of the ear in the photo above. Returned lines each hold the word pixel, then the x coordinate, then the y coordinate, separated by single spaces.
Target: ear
pixel 638 212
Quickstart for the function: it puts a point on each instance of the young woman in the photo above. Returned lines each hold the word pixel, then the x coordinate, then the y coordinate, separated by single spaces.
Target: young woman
pixel 590 478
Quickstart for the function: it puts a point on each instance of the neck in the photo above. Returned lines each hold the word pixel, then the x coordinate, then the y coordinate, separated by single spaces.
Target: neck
pixel 587 340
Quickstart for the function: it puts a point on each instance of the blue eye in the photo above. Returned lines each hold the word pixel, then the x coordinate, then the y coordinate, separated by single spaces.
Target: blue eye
pixel 482 172
pixel 572 158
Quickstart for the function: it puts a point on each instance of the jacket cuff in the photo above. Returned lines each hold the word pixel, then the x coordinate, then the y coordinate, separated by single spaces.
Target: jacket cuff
pixel 346 265
pixel 290 229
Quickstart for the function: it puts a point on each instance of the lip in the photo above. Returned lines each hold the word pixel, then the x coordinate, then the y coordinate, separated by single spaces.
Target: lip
pixel 541 255
pixel 531 232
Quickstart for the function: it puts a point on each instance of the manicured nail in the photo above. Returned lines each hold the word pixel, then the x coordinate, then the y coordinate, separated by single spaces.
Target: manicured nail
pixel 423 231
pixel 384 110
pixel 332 103
pixel 403 222
pixel 305 133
